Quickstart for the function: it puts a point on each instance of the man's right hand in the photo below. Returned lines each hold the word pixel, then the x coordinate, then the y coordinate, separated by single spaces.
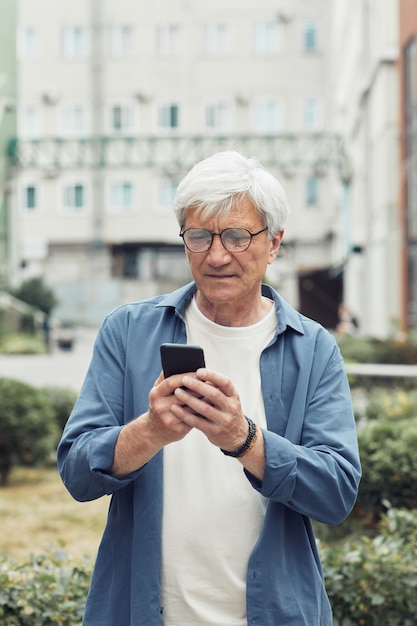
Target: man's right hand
pixel 140 439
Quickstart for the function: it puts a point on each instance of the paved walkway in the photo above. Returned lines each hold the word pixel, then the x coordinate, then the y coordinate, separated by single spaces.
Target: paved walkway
pixel 67 369
pixel 60 368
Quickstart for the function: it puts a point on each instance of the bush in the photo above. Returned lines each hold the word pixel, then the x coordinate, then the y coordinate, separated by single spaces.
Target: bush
pixel 374 581
pixel 62 400
pixel 356 349
pixel 3 324
pixel 388 444
pixel 31 423
pixel 27 426
pixel 48 590
pixel 389 465
pixel 35 293
pixel 396 352
pixel 391 404
pixel 370 582
pixel 366 350
pixel 22 343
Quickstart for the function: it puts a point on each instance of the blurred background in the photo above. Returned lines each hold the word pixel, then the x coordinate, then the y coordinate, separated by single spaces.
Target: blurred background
pixel 105 105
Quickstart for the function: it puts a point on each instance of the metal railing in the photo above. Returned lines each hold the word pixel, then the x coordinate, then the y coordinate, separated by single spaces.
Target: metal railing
pixel 286 151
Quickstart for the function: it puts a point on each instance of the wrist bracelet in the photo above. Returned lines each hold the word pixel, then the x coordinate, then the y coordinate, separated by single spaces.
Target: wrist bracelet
pixel 251 438
pixel 252 443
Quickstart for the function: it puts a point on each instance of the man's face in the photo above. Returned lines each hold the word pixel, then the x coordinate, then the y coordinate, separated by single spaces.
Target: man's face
pixel 231 279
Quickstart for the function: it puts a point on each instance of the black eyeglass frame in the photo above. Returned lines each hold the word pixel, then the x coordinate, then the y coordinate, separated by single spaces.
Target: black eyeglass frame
pixel 212 235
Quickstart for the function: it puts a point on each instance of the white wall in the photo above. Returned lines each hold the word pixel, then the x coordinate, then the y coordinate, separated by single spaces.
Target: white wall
pixel 365 83
pixel 143 79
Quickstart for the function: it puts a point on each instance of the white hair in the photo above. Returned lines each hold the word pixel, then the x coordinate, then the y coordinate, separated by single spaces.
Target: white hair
pixel 214 185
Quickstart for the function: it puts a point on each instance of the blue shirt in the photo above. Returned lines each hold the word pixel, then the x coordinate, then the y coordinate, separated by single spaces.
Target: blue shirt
pixel 312 464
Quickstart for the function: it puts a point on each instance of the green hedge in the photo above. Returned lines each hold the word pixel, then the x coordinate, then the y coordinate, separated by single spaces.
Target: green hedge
pixel 389 465
pixel 391 404
pixel 22 343
pixel 62 400
pixel 31 423
pixel 48 590
pixel 27 426
pixel 373 581
pixel 366 350
pixel 388 448
pixel 370 581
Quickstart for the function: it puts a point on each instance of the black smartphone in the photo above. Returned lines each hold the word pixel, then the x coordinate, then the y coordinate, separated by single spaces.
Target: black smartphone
pixel 179 358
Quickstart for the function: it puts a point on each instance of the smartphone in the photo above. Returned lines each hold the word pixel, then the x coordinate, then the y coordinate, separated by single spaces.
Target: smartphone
pixel 179 358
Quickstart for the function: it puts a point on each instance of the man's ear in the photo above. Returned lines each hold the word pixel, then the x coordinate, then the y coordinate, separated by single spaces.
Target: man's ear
pixel 275 245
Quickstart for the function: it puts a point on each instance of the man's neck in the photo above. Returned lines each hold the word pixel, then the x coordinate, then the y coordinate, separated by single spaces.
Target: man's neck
pixel 233 315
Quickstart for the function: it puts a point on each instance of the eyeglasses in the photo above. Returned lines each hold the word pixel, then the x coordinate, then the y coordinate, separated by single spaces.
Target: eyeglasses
pixel 233 239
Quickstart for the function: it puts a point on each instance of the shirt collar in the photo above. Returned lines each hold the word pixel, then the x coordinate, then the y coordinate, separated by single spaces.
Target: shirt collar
pixel 288 317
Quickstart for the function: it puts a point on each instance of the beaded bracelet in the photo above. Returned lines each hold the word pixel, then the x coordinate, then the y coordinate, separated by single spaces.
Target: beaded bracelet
pixel 251 438
pixel 252 443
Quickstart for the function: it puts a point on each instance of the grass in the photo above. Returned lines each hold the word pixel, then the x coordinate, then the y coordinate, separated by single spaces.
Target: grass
pixel 37 513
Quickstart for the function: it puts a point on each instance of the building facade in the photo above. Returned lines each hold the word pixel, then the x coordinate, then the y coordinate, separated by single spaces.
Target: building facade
pixel 408 159
pixel 366 112
pixel 8 105
pixel 117 99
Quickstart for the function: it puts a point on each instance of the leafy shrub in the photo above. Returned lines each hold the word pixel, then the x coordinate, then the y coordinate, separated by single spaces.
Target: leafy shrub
pixel 28 431
pixel 370 581
pixel 48 590
pixel 396 352
pixel 34 292
pixel 389 465
pixel 388 444
pixel 3 324
pixel 391 404
pixel 367 350
pixel 62 400
pixel 374 581
pixel 356 349
pixel 28 323
pixel 22 343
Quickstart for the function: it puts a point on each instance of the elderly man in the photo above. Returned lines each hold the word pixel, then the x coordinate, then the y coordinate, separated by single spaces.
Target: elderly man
pixel 216 474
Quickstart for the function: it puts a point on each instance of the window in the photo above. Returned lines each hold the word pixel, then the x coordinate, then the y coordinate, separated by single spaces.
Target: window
pixel 122 195
pixel 312 189
pixel 120 41
pixel 168 116
pixel 130 263
pixel 74 41
pixel 121 118
pixel 310 37
pixel 73 119
pixel 150 262
pixel 29 125
pixel 217 39
pixel 218 116
pixel 311 114
pixel 28 43
pixel 74 196
pixel 267 116
pixel 265 38
pixel 166 194
pixel 168 39
pixel 30 197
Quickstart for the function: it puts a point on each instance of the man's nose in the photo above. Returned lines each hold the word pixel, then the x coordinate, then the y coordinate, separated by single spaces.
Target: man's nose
pixel 217 251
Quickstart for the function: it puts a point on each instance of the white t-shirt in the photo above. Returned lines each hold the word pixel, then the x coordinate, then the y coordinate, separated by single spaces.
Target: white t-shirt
pixel 212 516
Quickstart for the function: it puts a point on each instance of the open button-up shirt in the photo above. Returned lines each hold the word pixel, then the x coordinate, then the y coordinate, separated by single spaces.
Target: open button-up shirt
pixel 312 464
